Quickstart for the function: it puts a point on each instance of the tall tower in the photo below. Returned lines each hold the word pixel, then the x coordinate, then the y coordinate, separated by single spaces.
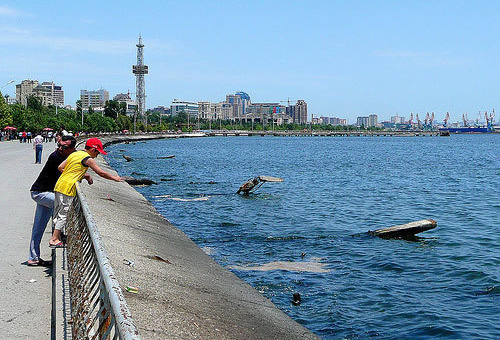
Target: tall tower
pixel 140 70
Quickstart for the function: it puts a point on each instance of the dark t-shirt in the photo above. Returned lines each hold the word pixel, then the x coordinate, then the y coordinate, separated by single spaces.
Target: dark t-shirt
pixel 49 175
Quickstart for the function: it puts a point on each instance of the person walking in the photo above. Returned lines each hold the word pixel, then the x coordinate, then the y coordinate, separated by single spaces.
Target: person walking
pixel 73 169
pixel 42 192
pixel 38 147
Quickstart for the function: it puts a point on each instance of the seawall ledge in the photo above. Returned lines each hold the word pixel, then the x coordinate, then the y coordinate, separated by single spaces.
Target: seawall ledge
pixel 190 296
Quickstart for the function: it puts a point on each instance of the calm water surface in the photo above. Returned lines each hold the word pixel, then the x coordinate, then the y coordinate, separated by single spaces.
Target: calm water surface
pixel 444 285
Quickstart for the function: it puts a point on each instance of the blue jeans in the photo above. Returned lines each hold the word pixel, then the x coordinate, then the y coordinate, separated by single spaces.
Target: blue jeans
pixel 44 208
pixel 38 154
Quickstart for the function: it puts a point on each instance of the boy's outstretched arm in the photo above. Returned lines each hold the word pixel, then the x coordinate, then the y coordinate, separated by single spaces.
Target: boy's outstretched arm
pixel 91 163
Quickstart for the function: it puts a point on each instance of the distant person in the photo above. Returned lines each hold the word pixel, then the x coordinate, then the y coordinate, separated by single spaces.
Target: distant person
pixel 28 136
pixel 42 192
pixel 73 169
pixel 38 147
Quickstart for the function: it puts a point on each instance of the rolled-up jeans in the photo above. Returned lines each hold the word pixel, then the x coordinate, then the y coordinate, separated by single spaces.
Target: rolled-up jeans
pixel 62 205
pixel 44 208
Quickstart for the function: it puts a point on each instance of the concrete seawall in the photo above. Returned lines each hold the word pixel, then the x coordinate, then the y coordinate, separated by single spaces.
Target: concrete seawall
pixel 191 297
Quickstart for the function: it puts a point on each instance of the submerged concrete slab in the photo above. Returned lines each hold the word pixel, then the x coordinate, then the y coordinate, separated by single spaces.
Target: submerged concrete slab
pixel 188 296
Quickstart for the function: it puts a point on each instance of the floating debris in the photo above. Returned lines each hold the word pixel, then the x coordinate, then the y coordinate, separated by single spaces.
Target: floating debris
pixel 254 183
pixel 405 230
pixel 165 157
pixel 138 181
pixel 296 299
pixel 127 158
pixel 202 198
pixel 311 267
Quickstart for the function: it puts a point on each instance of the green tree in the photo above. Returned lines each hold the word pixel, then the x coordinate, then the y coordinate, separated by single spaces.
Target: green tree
pixel 5 115
pixel 34 103
pixel 113 109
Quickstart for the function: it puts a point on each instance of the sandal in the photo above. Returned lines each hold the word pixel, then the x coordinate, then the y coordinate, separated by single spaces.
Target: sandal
pixel 39 263
pixel 60 244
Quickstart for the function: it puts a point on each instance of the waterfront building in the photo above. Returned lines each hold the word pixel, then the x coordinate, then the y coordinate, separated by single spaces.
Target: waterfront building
pixel 24 90
pixel 190 108
pixel 48 92
pixel 130 104
pixel 263 109
pixel 370 121
pixel 95 99
pixel 324 120
pixel 239 101
pixel 161 110
pixel 221 110
pixel 338 121
pixel 362 121
pixel 298 112
pixel 397 119
pixel 205 110
pixel 56 96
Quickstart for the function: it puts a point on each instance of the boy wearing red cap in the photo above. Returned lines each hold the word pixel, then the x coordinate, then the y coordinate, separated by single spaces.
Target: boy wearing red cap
pixel 73 169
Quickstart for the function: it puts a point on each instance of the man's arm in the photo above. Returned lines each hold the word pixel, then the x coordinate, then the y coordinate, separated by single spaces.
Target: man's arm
pixel 62 166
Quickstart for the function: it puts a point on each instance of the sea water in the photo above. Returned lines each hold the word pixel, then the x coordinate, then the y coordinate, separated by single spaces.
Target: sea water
pixel 308 234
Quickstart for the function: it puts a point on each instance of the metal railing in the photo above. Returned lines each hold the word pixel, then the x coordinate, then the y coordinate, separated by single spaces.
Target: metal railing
pixel 98 307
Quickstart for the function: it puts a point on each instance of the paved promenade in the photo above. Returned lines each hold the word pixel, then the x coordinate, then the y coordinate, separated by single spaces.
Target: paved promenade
pixel 25 300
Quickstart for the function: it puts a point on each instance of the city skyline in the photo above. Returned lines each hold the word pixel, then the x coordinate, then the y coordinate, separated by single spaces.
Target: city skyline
pixel 345 59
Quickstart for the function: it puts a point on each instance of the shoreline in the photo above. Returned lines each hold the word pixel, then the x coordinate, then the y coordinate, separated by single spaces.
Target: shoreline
pixel 190 295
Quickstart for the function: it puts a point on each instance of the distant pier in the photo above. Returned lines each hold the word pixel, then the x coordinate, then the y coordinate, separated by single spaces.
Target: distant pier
pixel 323 133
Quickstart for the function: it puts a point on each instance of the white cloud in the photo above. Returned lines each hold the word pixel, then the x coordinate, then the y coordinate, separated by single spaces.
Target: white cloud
pixel 8 12
pixel 23 37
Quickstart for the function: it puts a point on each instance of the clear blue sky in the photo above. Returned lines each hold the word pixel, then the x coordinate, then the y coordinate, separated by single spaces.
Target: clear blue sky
pixel 345 58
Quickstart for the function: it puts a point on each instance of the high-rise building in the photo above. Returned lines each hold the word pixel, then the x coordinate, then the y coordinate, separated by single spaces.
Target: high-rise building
pixel 372 120
pixel 205 110
pixel 48 92
pixel 397 119
pixel 362 121
pixel 24 90
pixel 298 112
pixel 130 104
pixel 56 93
pixel 177 106
pixel 239 101
pixel 338 121
pixel 221 110
pixel 95 99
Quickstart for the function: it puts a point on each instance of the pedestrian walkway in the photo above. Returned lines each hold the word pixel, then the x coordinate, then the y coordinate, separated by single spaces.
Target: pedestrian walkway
pixel 25 300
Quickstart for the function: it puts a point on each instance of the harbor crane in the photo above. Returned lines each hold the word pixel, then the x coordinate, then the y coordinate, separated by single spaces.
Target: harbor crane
pixel 419 123
pixel 446 119
pixel 464 119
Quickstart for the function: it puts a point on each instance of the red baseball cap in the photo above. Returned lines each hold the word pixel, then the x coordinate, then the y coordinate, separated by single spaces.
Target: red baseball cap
pixel 96 143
